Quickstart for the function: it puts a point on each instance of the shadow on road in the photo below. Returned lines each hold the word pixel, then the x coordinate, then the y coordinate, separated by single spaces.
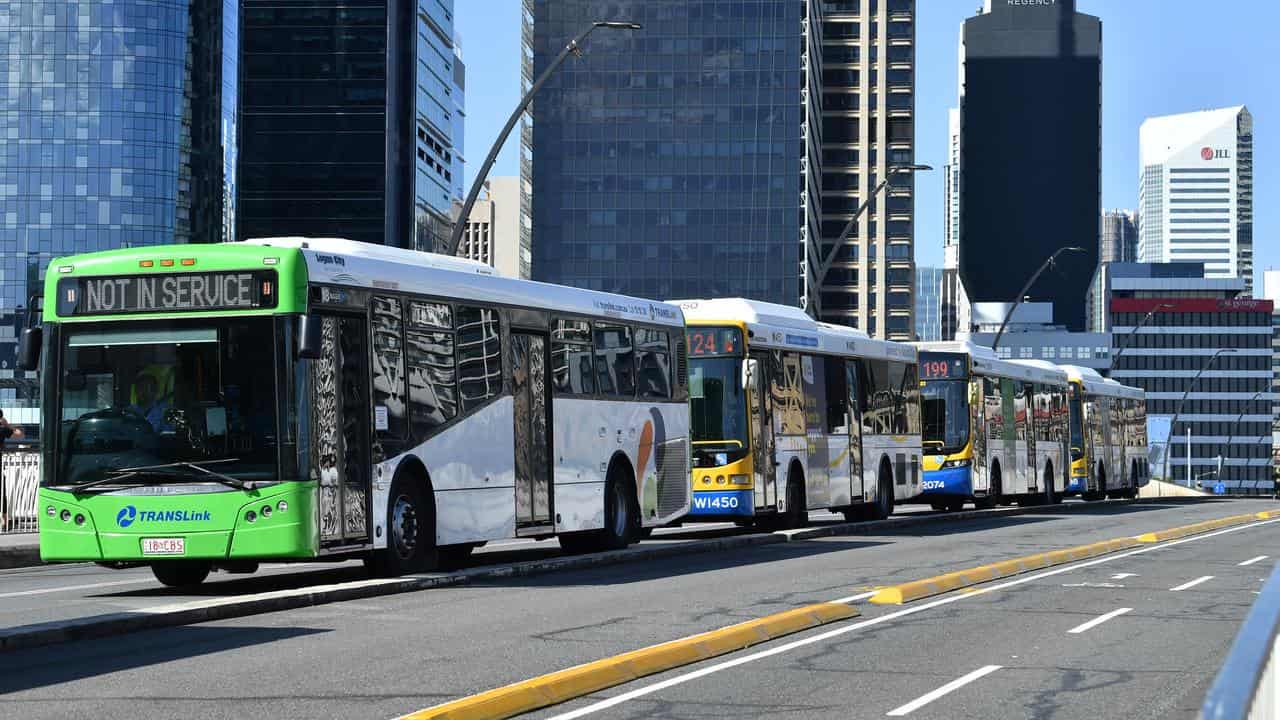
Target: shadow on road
pixel 57 664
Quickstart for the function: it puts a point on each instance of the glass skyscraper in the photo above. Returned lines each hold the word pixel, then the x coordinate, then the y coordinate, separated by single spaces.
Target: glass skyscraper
pixel 350 120
pixel 682 160
pixel 118 129
pixel 928 304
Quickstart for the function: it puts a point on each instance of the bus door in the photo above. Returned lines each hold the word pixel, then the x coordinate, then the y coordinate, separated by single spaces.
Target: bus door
pixel 532 430
pixel 857 490
pixel 340 418
pixel 764 460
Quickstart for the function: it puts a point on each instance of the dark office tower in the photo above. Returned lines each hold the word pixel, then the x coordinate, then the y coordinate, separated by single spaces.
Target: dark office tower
pixel 117 128
pixel 680 160
pixel 347 116
pixel 868 101
pixel 1030 112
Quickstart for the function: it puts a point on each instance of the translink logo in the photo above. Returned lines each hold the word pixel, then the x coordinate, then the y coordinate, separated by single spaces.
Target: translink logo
pixel 130 514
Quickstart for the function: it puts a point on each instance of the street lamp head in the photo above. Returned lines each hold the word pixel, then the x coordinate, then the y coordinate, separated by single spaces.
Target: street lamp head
pixel 909 168
pixel 617 25
pixel 1073 248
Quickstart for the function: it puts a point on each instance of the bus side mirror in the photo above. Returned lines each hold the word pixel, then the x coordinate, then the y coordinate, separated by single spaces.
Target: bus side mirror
pixel 749 370
pixel 309 337
pixel 29 348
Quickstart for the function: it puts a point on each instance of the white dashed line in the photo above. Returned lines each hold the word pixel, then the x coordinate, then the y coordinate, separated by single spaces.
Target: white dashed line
pixel 1191 584
pixel 944 690
pixel 1251 561
pixel 1098 621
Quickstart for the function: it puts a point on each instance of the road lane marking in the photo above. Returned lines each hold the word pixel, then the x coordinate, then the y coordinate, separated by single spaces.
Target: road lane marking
pixel 69 588
pixel 1083 627
pixel 557 687
pixel 854 627
pixel 944 690
pixel 1121 576
pixel 1251 561
pixel 1191 584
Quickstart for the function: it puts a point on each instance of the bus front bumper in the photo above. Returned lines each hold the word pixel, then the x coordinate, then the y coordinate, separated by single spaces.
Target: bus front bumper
pixel 952 482
pixel 723 503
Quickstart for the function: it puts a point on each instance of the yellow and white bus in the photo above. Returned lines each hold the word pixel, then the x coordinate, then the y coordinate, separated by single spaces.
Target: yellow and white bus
pixel 994 430
pixel 1108 436
pixel 788 414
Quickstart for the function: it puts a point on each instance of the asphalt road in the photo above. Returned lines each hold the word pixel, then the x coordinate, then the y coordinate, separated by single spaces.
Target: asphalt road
pixel 386 656
pixel 61 592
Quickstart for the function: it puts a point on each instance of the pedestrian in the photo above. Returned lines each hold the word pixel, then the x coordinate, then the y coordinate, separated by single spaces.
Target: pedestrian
pixel 7 432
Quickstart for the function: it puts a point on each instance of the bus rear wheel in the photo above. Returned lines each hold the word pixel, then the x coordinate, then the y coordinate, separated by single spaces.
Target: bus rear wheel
pixel 181 573
pixel 621 522
pixel 883 507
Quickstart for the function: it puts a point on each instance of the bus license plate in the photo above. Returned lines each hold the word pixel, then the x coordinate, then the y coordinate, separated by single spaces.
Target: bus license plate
pixel 164 546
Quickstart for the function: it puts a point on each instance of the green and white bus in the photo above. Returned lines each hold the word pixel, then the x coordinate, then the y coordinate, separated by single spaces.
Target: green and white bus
pixel 218 406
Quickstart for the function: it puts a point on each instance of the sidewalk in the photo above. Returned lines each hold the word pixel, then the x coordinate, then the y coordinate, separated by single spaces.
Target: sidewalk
pixel 19 550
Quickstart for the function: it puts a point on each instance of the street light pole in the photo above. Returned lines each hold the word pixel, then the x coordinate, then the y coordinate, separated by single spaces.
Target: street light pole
pixel 1240 419
pixel 825 263
pixel 1178 411
pixel 1129 337
pixel 574 47
pixel 1027 288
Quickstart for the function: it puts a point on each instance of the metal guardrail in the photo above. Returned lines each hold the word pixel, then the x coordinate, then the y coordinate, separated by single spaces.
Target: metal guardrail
pixel 1248 685
pixel 19 486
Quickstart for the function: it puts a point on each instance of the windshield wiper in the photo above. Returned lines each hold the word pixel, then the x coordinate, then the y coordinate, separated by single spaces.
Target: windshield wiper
pixel 149 474
pixel 236 483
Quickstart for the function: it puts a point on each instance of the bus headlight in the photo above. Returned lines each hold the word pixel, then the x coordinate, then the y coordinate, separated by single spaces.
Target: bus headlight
pixel 51 511
pixel 720 480
pixel 282 506
pixel 955 464
pixel 65 515
pixel 739 479
pixel 250 516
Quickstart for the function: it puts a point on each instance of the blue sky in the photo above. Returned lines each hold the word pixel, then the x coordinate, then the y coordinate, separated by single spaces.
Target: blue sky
pixel 1159 57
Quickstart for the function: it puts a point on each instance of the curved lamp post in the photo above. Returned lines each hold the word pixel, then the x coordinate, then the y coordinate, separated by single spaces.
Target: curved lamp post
pixel 1239 419
pixel 1168 449
pixel 1129 337
pixel 1027 288
pixel 825 263
pixel 574 47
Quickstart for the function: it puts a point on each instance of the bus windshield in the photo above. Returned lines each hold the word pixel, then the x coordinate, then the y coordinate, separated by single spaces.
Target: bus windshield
pixel 167 402
pixel 1077 423
pixel 717 410
pixel 945 406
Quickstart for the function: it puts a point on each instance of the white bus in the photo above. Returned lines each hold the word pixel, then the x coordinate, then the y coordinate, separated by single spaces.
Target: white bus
pixel 994 430
pixel 789 414
pixel 1108 436
pixel 495 407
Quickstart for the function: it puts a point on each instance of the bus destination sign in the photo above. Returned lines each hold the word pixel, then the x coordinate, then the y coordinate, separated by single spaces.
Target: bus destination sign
pixel 714 341
pixel 178 292
pixel 943 366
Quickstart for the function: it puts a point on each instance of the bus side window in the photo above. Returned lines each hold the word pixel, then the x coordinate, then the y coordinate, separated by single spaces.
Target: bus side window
pixel 389 390
pixel 615 360
pixel 653 358
pixel 433 392
pixel 571 368
pixel 837 396
pixel 479 356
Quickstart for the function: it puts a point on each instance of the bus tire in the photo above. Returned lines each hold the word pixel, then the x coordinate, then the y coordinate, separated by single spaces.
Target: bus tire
pixel 883 506
pixel 621 518
pixel 938 505
pixel 993 492
pixel 181 573
pixel 644 533
pixel 410 531
pixel 797 514
pixel 955 506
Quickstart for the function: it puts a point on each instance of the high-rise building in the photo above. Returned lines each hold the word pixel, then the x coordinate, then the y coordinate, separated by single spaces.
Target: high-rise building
pixel 681 161
pixel 928 304
pixel 954 301
pixel 1030 184
pixel 492 235
pixel 349 120
pixel 119 130
pixel 868 106
pixel 1119 241
pixel 1271 291
pixel 1197 323
pixel 1196 191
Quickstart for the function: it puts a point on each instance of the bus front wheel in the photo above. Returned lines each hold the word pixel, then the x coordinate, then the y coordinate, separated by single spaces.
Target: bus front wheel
pixel 181 573
pixel 410 535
